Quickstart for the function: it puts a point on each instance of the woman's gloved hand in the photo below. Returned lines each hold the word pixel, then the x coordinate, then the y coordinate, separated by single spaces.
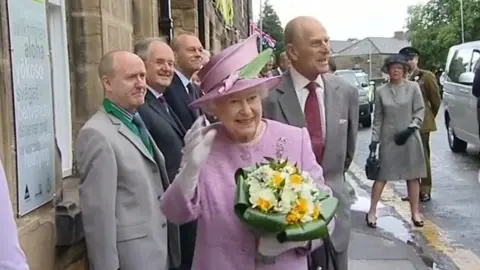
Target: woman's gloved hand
pixel 198 143
pixel 401 137
pixel 269 246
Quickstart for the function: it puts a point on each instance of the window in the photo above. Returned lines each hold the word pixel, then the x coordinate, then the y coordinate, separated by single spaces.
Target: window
pixel 211 31
pixel 242 9
pixel 459 64
pixel 61 82
pixel 475 62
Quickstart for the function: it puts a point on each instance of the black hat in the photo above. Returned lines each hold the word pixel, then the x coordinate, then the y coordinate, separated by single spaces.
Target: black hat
pixel 395 59
pixel 409 51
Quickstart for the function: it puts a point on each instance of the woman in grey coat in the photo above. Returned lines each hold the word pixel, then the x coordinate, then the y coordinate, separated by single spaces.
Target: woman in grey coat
pixel 398 116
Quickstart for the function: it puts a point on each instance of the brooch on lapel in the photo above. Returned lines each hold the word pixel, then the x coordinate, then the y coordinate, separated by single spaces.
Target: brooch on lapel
pixel 416 78
pixel 280 147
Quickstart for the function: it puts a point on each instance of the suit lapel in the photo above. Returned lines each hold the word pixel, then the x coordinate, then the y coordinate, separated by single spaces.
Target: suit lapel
pixel 332 108
pixel 184 96
pixel 134 139
pixel 156 106
pixel 160 159
pixel 288 102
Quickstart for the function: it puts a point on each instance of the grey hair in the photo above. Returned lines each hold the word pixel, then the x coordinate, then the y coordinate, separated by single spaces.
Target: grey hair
pixel 209 106
pixel 141 48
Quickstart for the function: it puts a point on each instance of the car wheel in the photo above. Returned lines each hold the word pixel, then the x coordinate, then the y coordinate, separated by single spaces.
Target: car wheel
pixel 456 145
pixel 367 122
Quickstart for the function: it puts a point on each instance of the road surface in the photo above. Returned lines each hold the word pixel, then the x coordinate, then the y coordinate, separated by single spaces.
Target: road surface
pixel 453 215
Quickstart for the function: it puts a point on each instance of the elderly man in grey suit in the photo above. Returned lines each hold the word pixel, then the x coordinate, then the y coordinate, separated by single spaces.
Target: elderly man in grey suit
pixel 123 176
pixel 309 96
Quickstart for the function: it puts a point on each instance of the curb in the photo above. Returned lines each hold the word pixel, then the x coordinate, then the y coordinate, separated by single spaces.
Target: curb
pixel 435 237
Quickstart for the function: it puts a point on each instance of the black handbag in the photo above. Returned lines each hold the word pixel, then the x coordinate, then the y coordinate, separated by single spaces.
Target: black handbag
pixel 372 167
pixel 329 259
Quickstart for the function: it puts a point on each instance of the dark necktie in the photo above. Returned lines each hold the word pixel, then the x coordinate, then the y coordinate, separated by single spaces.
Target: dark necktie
pixel 191 92
pixel 138 122
pixel 314 122
pixel 163 103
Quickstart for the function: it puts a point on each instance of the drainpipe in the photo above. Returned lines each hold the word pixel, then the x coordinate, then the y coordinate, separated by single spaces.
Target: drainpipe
pixel 165 21
pixel 201 20
pixel 248 19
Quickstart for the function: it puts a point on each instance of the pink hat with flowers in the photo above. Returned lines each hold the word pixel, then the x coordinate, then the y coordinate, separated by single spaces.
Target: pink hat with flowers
pixel 233 70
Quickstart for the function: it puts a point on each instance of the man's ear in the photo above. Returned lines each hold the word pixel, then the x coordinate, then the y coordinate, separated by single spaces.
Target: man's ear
pixel 175 59
pixel 291 52
pixel 107 83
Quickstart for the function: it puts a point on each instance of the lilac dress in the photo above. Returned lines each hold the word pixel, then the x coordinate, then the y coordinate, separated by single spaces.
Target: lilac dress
pixel 11 255
pixel 223 241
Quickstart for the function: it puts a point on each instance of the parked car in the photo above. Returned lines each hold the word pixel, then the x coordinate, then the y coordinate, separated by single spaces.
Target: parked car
pixel 459 102
pixel 365 109
pixel 368 86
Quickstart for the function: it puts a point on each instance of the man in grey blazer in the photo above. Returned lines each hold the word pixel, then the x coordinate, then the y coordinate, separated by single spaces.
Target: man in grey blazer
pixel 123 176
pixel 309 96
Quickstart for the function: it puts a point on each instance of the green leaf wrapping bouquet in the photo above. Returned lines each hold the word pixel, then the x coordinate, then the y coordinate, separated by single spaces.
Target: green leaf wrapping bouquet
pixel 279 198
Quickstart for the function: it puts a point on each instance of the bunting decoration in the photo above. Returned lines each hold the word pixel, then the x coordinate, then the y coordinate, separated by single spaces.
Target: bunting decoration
pixel 266 38
pixel 226 9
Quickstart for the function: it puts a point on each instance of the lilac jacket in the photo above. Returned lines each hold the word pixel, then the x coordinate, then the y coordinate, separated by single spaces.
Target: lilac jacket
pixel 11 255
pixel 223 241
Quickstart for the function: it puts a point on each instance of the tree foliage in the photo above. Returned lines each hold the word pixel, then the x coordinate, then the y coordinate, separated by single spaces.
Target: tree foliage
pixel 271 25
pixel 435 26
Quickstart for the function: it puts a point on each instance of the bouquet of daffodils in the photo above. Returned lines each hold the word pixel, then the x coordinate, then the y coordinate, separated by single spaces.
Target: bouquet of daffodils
pixel 278 197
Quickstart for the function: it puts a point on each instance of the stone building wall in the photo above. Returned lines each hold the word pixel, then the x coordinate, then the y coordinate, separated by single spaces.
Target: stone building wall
pixel 94 28
pixel 218 34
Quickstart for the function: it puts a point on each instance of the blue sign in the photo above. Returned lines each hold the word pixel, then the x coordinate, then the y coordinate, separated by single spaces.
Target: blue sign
pixel 34 121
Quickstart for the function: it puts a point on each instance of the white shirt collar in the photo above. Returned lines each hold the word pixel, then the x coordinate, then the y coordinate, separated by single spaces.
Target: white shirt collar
pixel 300 82
pixel 154 92
pixel 183 78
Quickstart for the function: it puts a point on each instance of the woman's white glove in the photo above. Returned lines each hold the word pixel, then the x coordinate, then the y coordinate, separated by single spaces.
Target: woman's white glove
pixel 269 246
pixel 198 143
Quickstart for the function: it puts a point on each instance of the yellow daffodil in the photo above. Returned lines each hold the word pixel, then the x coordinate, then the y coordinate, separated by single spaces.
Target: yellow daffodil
pixel 277 179
pixel 296 179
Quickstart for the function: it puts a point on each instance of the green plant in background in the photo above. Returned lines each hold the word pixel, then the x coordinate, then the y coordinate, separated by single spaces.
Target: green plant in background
pixel 271 25
pixel 435 26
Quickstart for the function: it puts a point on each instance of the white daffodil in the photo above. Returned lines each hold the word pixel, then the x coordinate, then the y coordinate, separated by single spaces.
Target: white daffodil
pixel 287 200
pixel 264 200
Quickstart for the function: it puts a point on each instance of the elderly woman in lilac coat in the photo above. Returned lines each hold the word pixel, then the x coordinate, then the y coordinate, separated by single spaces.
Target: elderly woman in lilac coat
pixel 11 255
pixel 204 188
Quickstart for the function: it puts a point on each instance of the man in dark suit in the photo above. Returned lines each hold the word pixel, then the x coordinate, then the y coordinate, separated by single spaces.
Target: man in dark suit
pixel 164 126
pixel 188 59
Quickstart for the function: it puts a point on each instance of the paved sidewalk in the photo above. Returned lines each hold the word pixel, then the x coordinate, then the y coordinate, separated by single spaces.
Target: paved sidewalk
pixel 368 251
pixel 376 249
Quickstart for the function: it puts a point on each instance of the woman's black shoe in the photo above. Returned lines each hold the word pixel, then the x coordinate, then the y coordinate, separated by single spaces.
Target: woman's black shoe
pixel 370 223
pixel 425 197
pixel 417 223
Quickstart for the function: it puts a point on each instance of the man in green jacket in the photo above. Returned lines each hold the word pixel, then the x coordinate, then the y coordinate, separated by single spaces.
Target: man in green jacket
pixel 431 97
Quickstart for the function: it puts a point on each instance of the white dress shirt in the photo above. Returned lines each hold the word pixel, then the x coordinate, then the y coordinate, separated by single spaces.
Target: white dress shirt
pixel 184 79
pixel 300 83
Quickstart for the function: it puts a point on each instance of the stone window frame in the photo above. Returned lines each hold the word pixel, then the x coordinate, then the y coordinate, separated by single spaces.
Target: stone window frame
pixel 61 82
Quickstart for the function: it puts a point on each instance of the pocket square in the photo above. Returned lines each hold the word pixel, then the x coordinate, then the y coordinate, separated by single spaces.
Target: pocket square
pixel 342 121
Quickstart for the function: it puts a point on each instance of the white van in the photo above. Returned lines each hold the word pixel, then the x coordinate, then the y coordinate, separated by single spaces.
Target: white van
pixel 460 103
